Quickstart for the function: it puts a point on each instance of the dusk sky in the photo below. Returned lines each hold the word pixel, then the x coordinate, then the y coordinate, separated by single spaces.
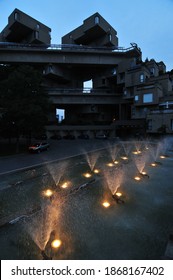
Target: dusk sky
pixel 148 23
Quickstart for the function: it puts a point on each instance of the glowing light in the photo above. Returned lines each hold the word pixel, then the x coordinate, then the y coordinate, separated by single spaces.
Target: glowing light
pixel 153 164
pixel 116 162
pixel 162 157
pixel 106 204
pixel 110 164
pixel 96 171
pixel 118 194
pixel 144 173
pixel 56 243
pixel 48 193
pixel 87 175
pixel 137 178
pixel 124 158
pixel 137 152
pixel 65 185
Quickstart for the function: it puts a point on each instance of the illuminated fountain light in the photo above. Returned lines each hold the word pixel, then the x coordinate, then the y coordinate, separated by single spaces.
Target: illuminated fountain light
pixel 87 175
pixel 110 164
pixel 96 171
pixel 119 194
pixel 138 152
pixel 106 204
pixel 65 185
pixel 48 193
pixel 124 157
pixel 144 174
pixel 116 162
pixel 153 164
pixel 162 156
pixel 56 243
pixel 137 178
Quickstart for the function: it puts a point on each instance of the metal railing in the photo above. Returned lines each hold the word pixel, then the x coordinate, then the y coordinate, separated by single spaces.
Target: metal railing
pixel 79 91
pixel 63 47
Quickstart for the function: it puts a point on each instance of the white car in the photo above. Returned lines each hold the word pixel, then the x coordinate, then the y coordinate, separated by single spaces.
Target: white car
pixel 38 147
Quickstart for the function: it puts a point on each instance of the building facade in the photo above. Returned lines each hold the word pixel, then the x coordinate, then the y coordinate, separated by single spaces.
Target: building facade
pixel 127 96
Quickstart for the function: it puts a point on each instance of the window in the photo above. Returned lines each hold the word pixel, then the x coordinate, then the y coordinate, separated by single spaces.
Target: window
pixel 60 115
pixel 147 98
pixel 97 20
pixel 152 70
pixel 36 34
pixel 16 16
pixel 50 68
pixel 125 92
pixel 110 37
pixel 136 98
pixel 38 26
pixel 141 78
pixel 114 71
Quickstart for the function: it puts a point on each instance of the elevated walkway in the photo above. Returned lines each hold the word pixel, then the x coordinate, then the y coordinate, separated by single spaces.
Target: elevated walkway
pixel 64 54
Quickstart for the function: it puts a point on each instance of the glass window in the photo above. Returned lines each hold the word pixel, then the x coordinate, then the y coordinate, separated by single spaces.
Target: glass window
pixel 147 98
pixel 110 37
pixel 125 92
pixel 36 34
pixel 97 20
pixel 16 16
pixel 142 78
pixel 136 98
pixel 114 71
pixel 38 26
pixel 152 70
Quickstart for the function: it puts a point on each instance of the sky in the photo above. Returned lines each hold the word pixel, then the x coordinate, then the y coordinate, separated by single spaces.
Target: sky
pixel 148 23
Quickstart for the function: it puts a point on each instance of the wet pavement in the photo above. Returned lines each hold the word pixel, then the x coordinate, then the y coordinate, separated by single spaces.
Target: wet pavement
pixel 137 229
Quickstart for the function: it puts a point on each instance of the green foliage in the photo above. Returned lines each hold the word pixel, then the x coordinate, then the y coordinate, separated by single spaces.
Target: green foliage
pixel 24 103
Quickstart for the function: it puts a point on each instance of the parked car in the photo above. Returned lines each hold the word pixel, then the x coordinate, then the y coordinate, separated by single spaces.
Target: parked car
pixel 39 147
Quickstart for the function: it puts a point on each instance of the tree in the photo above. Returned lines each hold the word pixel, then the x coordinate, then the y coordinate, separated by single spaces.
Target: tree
pixel 24 103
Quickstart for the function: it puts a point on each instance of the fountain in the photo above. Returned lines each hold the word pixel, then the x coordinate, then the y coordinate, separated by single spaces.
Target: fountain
pixel 140 160
pixel 91 159
pixel 66 200
pixel 113 178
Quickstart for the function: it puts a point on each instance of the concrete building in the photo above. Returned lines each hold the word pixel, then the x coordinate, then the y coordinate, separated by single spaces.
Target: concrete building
pixel 128 96
pixel 22 28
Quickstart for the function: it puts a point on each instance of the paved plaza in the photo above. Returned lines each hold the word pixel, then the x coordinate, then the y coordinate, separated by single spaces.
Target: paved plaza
pixel 139 228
